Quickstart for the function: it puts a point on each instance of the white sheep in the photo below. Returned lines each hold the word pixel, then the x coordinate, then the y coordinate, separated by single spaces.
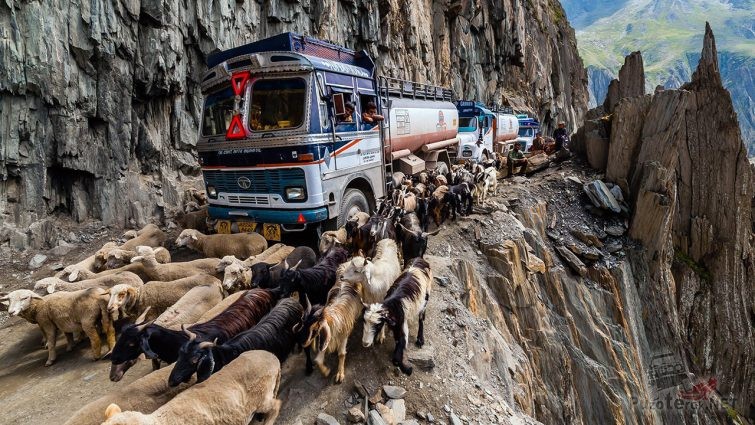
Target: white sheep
pixel 240 245
pixel 220 307
pixel 246 386
pixel 332 238
pixel 52 284
pixel 86 265
pixel 272 255
pixel 145 395
pixel 68 312
pixel 119 257
pixel 149 235
pixel 127 301
pixel 170 271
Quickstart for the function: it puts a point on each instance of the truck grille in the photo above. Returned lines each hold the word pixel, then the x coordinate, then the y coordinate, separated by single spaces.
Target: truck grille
pixel 248 200
pixel 273 181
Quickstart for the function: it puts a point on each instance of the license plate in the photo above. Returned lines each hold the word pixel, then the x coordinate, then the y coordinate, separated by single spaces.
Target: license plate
pixel 246 226
pixel 271 232
pixel 224 227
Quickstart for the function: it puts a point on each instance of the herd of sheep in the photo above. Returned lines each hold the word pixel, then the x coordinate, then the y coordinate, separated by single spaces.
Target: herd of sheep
pixel 225 322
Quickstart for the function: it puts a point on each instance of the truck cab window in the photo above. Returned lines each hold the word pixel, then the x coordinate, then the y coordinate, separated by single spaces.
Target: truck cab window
pixel 218 111
pixel 277 104
pixel 347 121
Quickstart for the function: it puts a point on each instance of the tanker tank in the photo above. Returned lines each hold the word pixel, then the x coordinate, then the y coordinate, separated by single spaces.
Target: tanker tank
pixel 419 125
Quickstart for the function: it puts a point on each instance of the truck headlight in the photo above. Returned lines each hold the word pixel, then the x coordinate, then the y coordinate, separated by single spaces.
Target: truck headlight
pixel 212 192
pixel 295 194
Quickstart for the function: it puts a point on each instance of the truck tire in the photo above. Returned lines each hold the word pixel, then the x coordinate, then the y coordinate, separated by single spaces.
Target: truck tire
pixel 353 201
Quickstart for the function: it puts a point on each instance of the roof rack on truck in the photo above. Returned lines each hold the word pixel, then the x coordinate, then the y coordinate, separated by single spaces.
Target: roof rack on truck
pixel 410 89
pixel 293 42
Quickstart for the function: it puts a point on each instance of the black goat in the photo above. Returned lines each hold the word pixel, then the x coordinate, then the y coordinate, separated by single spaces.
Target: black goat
pixel 413 238
pixel 274 333
pixel 160 343
pixel 265 275
pixel 408 296
pixel 315 282
pixel 463 192
pixel 442 204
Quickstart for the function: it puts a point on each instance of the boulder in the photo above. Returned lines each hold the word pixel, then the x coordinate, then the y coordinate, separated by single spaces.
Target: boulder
pixel 355 415
pixel 375 418
pixel 423 358
pixel 601 196
pixel 398 408
pixel 326 419
pixel 394 392
pixel 36 261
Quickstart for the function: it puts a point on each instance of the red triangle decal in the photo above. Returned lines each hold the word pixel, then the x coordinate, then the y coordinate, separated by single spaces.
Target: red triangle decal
pixel 238 81
pixel 236 129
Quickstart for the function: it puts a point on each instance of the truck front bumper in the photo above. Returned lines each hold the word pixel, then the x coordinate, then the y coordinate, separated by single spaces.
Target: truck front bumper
pixel 260 215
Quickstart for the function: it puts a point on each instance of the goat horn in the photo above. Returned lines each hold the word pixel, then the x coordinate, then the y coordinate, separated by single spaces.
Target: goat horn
pixel 285 265
pixel 433 233
pixel 207 344
pixel 192 336
pixel 297 265
pixel 308 305
pixel 413 232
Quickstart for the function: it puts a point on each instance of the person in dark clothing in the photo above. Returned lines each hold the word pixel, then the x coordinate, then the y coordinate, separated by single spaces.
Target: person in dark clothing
pixel 538 143
pixel 561 135
pixel 516 159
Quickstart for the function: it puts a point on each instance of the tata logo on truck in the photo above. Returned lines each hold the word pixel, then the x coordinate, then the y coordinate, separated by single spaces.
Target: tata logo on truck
pixel 244 182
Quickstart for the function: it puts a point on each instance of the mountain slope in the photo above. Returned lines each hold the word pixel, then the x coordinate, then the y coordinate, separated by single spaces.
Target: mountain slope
pixel 669 32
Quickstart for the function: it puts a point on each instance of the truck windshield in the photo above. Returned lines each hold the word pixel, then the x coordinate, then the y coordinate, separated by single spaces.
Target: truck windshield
pixel 277 104
pixel 218 111
pixel 467 124
pixel 526 132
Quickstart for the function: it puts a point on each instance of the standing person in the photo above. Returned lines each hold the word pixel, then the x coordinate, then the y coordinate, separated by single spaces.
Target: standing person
pixel 561 135
pixel 516 159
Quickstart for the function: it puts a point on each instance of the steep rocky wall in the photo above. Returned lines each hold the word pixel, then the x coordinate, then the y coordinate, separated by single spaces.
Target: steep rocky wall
pixel 99 101
pixel 679 157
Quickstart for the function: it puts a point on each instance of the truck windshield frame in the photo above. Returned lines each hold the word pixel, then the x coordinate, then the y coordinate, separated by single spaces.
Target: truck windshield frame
pixel 526 132
pixel 467 128
pixel 217 112
pixel 278 103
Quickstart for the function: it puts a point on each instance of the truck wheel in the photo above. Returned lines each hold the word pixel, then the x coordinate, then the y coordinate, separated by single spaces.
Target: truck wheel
pixel 353 201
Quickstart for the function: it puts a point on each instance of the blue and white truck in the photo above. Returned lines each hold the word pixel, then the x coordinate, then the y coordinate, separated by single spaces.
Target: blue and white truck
pixel 278 149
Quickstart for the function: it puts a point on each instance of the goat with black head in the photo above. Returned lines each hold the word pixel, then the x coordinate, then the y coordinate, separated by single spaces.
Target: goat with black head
pixel 406 299
pixel 315 282
pixel 266 275
pixel 159 343
pixel 413 238
pixel 275 333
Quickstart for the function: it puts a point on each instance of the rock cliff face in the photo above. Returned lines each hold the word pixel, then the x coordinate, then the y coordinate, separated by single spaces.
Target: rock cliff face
pixel 679 157
pixel 100 100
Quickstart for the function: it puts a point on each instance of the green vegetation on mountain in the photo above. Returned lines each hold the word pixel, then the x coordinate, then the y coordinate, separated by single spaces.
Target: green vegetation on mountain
pixel 669 34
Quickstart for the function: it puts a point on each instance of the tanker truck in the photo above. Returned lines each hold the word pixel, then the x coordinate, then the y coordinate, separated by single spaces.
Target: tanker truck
pixel 289 141
pixel 483 130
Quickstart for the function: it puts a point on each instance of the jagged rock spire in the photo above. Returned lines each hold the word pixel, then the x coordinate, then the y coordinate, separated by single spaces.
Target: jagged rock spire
pixel 707 73
pixel 631 81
